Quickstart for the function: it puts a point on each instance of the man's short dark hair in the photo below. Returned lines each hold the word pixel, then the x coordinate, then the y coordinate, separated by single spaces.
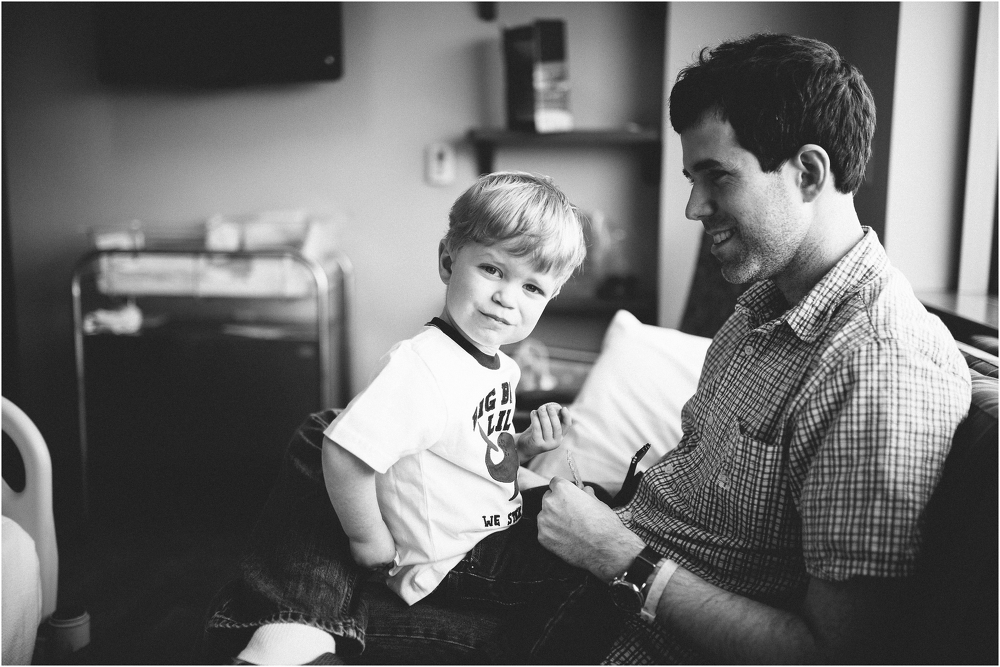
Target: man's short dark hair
pixel 780 92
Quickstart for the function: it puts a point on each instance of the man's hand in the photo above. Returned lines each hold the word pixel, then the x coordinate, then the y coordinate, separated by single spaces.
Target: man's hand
pixel 376 550
pixel 585 532
pixel 549 423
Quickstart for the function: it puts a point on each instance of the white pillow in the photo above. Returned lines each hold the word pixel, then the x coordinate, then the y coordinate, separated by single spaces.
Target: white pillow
pixel 633 395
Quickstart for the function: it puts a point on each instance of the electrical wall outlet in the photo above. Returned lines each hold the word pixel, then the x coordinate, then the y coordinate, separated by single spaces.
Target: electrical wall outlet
pixel 439 164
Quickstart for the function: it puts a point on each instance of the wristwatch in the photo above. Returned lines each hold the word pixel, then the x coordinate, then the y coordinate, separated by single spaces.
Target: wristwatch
pixel 629 590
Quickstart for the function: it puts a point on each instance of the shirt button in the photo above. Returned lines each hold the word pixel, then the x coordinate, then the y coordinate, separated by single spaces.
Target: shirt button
pixel 668 468
pixel 748 349
pixel 626 516
pixel 724 480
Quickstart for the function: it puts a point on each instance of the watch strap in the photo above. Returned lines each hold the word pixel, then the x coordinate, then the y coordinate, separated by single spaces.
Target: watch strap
pixel 642 567
pixel 661 576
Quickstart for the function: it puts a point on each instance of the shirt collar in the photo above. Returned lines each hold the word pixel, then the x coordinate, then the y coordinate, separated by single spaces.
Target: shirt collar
pixel 764 302
pixel 491 362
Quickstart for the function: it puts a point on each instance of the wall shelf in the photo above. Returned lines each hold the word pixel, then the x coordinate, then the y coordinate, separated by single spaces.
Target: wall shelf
pixel 582 307
pixel 646 141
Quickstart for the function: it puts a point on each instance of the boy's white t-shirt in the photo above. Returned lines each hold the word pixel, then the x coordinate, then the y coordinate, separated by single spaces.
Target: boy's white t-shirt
pixel 436 424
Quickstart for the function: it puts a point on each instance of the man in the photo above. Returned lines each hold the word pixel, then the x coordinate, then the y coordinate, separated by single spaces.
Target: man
pixel 826 405
pixel 782 527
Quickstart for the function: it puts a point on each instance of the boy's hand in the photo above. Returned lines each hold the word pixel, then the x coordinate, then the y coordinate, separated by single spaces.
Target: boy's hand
pixel 375 551
pixel 549 424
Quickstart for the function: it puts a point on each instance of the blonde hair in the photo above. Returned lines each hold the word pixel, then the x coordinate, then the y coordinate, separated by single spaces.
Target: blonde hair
pixel 524 213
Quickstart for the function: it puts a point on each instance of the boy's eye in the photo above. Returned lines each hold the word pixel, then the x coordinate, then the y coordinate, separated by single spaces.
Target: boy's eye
pixel 491 270
pixel 534 288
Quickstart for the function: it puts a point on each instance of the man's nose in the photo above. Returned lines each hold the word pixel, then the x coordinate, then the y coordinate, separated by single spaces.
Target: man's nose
pixel 699 206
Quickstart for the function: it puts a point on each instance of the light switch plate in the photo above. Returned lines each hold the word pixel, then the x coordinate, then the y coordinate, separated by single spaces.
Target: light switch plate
pixel 439 164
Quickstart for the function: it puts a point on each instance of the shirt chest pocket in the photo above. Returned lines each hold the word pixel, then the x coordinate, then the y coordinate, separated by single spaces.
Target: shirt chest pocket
pixel 744 481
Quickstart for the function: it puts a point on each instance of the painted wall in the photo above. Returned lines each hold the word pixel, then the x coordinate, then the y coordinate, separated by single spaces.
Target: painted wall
pixel 979 208
pixel 77 155
pixel 930 128
pixel 864 33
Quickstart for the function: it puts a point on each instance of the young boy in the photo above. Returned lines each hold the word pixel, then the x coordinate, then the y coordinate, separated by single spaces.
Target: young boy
pixel 422 465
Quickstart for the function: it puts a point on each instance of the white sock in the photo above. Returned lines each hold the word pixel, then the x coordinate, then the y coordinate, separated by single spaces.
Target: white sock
pixel 287 644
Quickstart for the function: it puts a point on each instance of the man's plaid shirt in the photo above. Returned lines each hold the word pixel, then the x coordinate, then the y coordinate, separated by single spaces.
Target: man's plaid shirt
pixel 811 446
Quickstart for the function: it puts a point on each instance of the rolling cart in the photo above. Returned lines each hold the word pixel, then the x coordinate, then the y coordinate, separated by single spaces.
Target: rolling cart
pixel 195 367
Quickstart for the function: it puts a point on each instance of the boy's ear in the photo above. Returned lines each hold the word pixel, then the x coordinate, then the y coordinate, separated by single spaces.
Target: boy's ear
pixel 814 170
pixel 445 262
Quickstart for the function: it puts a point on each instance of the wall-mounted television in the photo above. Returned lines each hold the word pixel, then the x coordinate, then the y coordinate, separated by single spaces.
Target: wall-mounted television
pixel 217 44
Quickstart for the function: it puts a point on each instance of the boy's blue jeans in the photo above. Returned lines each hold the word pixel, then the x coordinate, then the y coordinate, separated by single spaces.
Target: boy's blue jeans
pixel 509 601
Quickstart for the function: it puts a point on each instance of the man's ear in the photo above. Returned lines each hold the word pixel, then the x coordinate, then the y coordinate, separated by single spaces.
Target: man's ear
pixel 813 163
pixel 445 262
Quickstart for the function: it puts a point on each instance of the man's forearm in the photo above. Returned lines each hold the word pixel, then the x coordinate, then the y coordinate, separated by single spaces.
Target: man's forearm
pixel 838 621
pixel 730 628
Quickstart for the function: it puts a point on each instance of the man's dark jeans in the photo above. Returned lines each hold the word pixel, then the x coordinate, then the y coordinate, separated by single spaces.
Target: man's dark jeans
pixel 509 600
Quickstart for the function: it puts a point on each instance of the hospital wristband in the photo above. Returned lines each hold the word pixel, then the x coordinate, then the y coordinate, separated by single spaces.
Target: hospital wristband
pixel 658 581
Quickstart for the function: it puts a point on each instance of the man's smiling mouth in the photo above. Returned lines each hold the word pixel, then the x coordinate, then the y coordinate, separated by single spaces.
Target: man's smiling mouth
pixel 719 237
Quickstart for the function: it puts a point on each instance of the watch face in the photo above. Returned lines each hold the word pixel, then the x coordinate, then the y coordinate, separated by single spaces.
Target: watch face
pixel 626 596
